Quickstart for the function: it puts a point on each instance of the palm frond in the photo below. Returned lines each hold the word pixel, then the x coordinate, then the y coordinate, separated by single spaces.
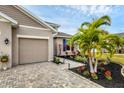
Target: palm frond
pixel 85 24
pixel 104 20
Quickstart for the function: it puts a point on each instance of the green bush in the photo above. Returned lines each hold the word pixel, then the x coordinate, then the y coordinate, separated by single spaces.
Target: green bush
pixel 57 60
pixel 94 76
pixel 108 77
pixel 86 73
pixel 80 59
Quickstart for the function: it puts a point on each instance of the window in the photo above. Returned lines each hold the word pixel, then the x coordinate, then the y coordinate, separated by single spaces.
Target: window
pixel 65 46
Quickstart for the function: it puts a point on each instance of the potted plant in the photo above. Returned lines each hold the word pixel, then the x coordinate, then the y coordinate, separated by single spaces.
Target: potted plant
pixel 4 59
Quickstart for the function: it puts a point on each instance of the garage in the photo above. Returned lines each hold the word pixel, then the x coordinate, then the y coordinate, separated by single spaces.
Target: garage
pixel 33 50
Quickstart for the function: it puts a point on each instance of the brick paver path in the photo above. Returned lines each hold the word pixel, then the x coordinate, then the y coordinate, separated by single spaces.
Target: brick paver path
pixel 40 75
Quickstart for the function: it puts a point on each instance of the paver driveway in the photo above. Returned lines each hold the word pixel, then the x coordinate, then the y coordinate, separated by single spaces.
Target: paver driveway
pixel 41 75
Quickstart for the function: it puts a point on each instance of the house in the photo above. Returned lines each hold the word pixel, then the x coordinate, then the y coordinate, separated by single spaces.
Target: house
pixel 55 26
pixel 29 39
pixel 61 46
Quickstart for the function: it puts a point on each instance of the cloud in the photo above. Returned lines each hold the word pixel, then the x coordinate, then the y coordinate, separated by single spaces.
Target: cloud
pixel 71 16
pixel 92 10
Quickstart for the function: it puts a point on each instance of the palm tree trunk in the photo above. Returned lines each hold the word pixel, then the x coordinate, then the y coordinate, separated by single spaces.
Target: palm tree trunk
pixel 91 65
pixel 94 52
pixel 95 67
pixel 90 61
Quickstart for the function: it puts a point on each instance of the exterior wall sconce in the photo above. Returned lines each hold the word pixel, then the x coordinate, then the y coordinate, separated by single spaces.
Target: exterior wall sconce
pixel 6 41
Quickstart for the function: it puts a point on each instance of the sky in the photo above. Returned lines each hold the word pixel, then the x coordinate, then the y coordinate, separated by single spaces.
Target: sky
pixel 70 17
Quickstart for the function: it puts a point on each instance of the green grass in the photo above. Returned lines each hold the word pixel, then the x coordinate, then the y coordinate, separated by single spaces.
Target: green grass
pixel 117 58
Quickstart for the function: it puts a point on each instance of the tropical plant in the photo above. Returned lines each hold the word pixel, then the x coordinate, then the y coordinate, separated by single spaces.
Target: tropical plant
pixel 91 36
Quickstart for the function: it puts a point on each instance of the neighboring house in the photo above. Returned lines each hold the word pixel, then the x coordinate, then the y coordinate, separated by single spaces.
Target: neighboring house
pixel 61 46
pixel 55 26
pixel 29 38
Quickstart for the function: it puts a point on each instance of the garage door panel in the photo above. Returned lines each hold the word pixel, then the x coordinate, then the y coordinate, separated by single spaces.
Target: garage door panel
pixel 33 50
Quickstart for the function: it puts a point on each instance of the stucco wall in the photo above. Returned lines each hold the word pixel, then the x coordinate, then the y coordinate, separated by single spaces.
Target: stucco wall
pixel 31 32
pixel 6 32
pixel 14 47
pixel 57 42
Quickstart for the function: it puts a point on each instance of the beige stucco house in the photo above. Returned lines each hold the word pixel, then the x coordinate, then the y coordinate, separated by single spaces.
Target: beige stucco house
pixel 30 38
pixel 61 46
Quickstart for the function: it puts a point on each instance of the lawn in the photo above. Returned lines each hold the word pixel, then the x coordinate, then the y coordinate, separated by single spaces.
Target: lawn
pixel 116 58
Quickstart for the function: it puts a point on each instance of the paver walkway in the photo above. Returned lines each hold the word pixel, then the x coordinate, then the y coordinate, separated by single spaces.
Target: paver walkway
pixel 43 75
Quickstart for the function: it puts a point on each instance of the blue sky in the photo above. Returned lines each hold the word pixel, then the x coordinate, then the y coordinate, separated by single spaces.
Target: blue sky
pixel 71 16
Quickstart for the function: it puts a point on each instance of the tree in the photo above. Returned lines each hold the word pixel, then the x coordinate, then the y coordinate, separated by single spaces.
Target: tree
pixel 92 36
pixel 119 41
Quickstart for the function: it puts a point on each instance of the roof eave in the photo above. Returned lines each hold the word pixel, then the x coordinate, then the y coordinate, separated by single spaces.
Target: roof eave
pixel 14 22
pixel 28 13
pixel 63 36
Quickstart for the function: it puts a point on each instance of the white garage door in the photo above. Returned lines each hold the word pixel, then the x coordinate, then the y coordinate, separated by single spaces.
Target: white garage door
pixel 33 50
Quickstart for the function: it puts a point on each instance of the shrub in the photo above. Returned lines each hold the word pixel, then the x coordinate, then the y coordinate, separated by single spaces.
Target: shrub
pixel 57 60
pixel 80 59
pixel 108 77
pixel 86 73
pixel 94 76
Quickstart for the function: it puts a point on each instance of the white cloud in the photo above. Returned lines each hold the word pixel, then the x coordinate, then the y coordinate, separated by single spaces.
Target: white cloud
pixel 91 10
pixel 86 10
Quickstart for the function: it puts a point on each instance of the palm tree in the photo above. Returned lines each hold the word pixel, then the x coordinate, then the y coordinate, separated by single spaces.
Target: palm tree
pixel 91 36
pixel 119 41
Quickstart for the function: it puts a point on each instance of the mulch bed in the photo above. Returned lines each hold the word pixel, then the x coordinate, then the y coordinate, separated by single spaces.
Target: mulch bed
pixel 117 79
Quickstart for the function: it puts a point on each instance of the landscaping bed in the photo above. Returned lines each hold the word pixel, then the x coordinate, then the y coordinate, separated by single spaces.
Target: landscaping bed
pixel 76 59
pixel 57 60
pixel 117 79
